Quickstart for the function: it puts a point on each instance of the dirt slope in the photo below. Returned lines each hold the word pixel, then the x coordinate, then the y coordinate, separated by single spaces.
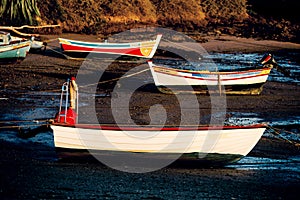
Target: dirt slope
pixel 105 16
pixel 268 19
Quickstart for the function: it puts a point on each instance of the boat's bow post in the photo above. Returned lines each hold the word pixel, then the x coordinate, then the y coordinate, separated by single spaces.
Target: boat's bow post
pixel 157 41
pixel 74 96
pixel 269 61
pixel 153 73
pixel 73 91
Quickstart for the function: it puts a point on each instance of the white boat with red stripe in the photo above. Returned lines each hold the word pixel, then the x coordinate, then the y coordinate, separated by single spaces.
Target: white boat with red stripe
pixel 213 144
pixel 248 81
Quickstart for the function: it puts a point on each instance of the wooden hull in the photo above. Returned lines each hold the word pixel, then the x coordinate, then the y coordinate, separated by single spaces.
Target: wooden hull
pixel 224 144
pixel 143 49
pixel 253 89
pixel 14 51
pixel 186 159
pixel 235 82
pixel 34 44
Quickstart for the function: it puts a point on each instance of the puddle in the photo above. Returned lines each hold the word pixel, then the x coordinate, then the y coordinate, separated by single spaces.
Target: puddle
pixel 36 109
pixel 287 128
pixel 258 163
pixel 236 118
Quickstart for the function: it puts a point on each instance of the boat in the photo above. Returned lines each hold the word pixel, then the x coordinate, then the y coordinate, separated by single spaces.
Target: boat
pixel 143 49
pixel 13 48
pixel 36 44
pixel 216 144
pixel 242 82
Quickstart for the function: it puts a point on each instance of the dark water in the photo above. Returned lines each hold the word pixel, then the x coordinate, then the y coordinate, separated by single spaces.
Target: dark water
pixel 289 61
pixel 36 109
pixel 259 163
pixel 40 106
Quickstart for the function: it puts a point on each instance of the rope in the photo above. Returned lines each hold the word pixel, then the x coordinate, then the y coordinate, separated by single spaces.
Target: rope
pixel 102 82
pixel 60 53
pixel 22 126
pixel 190 49
pixel 50 40
pixel 19 121
pixel 31 93
pixel 176 44
pixel 107 81
pixel 277 132
pixel 278 129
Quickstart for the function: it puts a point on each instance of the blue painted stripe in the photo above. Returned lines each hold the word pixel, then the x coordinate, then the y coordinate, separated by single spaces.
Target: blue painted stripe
pixel 106 45
pixel 227 75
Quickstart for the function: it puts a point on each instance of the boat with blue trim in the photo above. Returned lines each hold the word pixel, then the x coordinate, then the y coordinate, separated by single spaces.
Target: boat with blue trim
pixel 13 48
pixel 168 79
pixel 142 49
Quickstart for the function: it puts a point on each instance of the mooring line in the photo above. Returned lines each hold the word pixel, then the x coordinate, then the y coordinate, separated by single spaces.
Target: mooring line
pixel 20 121
pixel 31 93
pixel 277 133
pixel 50 40
pixel 179 45
pixel 22 126
pixel 60 53
pixel 115 79
pixel 278 129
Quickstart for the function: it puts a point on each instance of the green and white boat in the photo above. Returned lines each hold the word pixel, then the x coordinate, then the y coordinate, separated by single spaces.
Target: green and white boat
pixel 13 48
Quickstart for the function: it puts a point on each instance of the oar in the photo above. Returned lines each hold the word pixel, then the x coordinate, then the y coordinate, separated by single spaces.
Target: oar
pixel 282 70
pixel 27 130
pixel 29 133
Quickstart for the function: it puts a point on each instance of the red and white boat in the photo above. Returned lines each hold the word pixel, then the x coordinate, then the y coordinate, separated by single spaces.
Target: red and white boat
pixel 233 82
pixel 142 49
pixel 217 144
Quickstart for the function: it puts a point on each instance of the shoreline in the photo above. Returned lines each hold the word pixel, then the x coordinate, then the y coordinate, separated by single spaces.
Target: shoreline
pixel 232 44
pixel 222 43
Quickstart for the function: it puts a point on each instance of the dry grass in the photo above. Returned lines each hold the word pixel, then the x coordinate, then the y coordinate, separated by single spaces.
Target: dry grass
pixel 91 16
pixel 105 17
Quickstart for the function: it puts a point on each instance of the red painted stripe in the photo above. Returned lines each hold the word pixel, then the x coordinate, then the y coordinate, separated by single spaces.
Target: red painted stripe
pixel 203 72
pixel 126 51
pixel 128 128
pixel 210 79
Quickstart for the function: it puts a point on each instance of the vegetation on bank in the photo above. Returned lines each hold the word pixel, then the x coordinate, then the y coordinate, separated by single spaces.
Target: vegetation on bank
pixel 269 19
pixel 18 11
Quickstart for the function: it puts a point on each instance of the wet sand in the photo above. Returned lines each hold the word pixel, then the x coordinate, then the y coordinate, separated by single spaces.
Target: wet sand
pixel 24 175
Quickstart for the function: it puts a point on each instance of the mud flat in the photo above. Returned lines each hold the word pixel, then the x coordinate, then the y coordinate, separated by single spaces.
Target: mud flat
pixel 29 169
